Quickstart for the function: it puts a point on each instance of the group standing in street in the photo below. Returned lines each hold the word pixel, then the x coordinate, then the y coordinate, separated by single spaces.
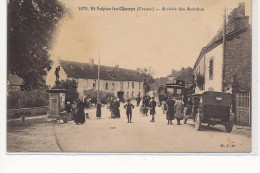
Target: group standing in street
pixel 174 108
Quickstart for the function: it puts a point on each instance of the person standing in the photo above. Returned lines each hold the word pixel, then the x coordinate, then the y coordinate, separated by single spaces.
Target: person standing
pixel 145 105
pixel 68 107
pixel 74 110
pixel 116 106
pixel 179 107
pixel 129 106
pixel 98 113
pixel 170 109
pixel 188 109
pixel 152 106
pixel 80 116
pixel 138 99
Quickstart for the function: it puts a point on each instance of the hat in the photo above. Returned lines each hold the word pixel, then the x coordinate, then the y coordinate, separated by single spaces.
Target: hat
pixel 128 100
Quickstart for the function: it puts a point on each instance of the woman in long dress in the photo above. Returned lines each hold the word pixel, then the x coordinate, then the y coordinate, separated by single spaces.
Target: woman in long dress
pixel 80 116
pixel 170 110
pixel 116 108
pixel 98 113
pixel 179 108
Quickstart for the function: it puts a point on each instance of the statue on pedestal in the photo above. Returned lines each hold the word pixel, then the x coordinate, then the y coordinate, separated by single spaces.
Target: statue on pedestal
pixel 57 73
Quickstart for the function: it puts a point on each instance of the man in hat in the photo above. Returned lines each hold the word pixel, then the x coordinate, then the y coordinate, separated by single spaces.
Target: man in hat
pixel 152 106
pixel 129 106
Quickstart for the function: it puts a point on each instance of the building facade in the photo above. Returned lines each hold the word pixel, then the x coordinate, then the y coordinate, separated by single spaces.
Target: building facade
pixel 119 81
pixel 219 64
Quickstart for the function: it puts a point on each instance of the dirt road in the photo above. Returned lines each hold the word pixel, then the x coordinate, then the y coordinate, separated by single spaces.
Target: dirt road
pixel 116 135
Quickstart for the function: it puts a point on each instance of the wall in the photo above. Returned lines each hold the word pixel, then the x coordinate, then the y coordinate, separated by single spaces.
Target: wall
pixel 216 82
pixel 87 84
pixel 200 69
pixel 16 113
pixel 239 59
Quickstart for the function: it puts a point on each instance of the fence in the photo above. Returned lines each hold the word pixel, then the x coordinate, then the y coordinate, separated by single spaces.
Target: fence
pixel 242 110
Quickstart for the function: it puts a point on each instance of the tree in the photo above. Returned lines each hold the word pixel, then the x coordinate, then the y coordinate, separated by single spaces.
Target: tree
pixel 147 75
pixel 31 24
pixel 71 87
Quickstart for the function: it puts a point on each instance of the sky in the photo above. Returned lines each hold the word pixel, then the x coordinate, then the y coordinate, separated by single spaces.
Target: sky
pixel 161 40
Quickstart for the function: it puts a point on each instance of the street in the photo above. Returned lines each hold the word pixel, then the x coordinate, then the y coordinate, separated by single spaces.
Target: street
pixel 116 135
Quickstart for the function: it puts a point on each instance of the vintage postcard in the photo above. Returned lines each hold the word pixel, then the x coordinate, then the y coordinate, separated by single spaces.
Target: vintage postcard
pixel 129 76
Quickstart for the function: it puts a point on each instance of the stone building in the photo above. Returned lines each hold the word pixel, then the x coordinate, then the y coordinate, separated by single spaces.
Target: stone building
pixel 119 81
pixel 217 70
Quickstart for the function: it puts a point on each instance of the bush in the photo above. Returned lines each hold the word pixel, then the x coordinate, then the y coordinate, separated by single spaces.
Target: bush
pixel 71 89
pixel 27 99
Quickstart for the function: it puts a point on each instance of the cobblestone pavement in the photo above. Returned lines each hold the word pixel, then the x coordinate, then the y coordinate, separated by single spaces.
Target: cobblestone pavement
pixel 116 135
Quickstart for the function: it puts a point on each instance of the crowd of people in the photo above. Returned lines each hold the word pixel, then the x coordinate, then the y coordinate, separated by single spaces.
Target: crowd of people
pixel 174 108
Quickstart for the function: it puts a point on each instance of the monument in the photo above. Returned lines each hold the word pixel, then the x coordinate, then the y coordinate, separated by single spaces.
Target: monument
pixel 57 101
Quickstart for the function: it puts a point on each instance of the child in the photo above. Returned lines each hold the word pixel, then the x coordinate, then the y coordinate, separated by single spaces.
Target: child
pixel 129 106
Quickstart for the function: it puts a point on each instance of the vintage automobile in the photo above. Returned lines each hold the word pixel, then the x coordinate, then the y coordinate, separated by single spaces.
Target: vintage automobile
pixel 191 114
pixel 215 108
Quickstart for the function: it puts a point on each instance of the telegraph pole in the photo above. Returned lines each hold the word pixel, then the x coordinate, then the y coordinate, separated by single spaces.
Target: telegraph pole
pixel 98 76
pixel 224 52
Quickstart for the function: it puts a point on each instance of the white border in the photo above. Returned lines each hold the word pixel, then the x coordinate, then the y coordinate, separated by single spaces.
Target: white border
pixel 188 162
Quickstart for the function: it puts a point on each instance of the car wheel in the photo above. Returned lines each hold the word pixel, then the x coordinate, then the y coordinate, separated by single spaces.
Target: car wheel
pixel 197 122
pixel 229 126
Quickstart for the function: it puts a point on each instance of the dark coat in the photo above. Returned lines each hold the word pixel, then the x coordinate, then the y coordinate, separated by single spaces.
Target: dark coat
pixel 129 107
pixel 98 113
pixel 170 109
pixel 145 102
pixel 80 116
pixel 116 106
pixel 152 106
pixel 68 108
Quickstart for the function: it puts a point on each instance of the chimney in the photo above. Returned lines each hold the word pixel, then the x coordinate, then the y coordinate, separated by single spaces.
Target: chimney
pixel 241 8
pixel 91 61
pixel 117 67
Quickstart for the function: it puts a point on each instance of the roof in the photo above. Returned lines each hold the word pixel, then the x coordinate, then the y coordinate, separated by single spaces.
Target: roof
pixel 184 71
pixel 231 32
pixel 14 80
pixel 214 44
pixel 86 70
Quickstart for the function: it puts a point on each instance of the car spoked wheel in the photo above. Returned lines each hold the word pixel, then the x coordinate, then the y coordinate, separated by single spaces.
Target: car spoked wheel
pixel 197 122
pixel 229 126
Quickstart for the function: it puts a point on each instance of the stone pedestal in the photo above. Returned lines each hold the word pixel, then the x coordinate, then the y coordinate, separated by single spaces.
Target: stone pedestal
pixel 56 102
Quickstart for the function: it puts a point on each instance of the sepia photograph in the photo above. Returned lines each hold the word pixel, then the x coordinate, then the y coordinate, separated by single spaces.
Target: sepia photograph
pixel 110 76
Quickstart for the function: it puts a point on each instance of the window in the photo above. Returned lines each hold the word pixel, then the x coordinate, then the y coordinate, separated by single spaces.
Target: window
pixel 178 91
pixel 133 84
pixel 106 86
pixel 128 85
pixel 94 84
pixel 127 94
pixel 211 64
pixel 139 85
pixel 121 86
pixel 86 83
pixel 113 86
pixel 133 94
